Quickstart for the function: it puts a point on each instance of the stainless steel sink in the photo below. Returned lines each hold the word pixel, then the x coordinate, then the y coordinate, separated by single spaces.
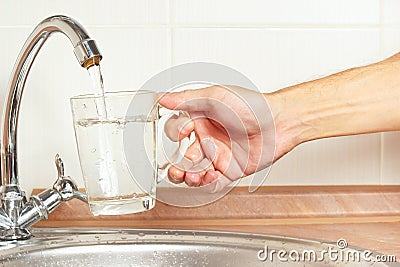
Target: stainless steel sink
pixel 94 247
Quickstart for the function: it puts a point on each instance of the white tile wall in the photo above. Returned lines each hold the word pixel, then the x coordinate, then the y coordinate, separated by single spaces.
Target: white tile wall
pixel 391 40
pixel 274 58
pixel 11 42
pixel 391 158
pixel 391 141
pixel 285 12
pixel 88 12
pixel 274 43
pixel 342 161
pixel 391 12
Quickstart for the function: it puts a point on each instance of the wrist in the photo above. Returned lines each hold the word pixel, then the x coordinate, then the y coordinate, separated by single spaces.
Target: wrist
pixel 290 121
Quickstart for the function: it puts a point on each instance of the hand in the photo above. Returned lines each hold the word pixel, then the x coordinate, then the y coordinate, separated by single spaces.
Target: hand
pixel 238 133
pixel 234 131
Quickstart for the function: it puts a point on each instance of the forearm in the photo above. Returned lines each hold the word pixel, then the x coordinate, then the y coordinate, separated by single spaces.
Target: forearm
pixel 355 101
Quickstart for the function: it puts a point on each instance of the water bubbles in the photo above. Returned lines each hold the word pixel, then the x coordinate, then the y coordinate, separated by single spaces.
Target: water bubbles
pixel 98 86
pixel 93 150
pixel 141 234
pixel 83 123
pixel 121 123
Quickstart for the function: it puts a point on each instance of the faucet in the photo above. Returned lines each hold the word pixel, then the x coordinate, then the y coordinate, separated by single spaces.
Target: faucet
pixel 17 214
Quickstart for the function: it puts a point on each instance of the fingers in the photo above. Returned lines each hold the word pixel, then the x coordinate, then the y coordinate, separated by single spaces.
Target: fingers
pixel 196 168
pixel 210 180
pixel 176 175
pixel 201 174
pixel 177 128
pixel 192 168
pixel 188 100
pixel 193 155
pixel 195 176
pixel 210 177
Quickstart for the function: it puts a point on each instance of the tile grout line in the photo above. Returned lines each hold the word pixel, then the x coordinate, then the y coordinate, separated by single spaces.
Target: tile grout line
pixel 381 28
pixel 171 31
pixel 171 24
pixel 283 26
pixel 381 54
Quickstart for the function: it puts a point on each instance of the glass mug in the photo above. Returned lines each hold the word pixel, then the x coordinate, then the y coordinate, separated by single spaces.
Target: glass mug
pixel 113 186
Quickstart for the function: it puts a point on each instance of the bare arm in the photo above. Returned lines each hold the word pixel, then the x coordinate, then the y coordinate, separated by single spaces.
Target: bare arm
pixel 355 101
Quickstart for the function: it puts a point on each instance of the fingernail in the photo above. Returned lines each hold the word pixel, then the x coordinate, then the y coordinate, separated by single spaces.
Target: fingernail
pixel 187 127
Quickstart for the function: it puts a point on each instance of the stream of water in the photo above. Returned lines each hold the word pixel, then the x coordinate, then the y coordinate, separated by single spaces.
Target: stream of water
pixel 98 87
pixel 107 179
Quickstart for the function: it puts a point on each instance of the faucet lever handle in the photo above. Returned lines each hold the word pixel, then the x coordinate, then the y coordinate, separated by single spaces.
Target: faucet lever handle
pixel 59 166
pixel 65 185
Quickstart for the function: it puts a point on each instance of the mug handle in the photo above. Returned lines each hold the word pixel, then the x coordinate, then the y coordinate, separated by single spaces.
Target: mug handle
pixel 178 154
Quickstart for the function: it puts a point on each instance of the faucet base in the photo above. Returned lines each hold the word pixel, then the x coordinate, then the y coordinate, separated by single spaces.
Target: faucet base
pixel 15 234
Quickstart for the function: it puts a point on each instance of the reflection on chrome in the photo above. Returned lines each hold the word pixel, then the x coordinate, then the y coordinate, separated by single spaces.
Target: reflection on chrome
pixel 17 214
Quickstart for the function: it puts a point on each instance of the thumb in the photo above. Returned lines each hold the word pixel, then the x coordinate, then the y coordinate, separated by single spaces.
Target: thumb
pixel 188 100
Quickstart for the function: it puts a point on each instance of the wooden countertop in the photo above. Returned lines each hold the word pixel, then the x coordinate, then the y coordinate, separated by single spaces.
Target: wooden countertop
pixel 366 216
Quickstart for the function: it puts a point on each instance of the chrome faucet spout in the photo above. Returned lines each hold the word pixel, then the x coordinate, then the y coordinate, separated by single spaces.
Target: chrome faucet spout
pixel 13 198
pixel 86 52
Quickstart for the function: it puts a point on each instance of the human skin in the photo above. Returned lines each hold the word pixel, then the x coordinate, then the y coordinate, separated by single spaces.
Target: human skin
pixel 234 133
pixel 356 101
